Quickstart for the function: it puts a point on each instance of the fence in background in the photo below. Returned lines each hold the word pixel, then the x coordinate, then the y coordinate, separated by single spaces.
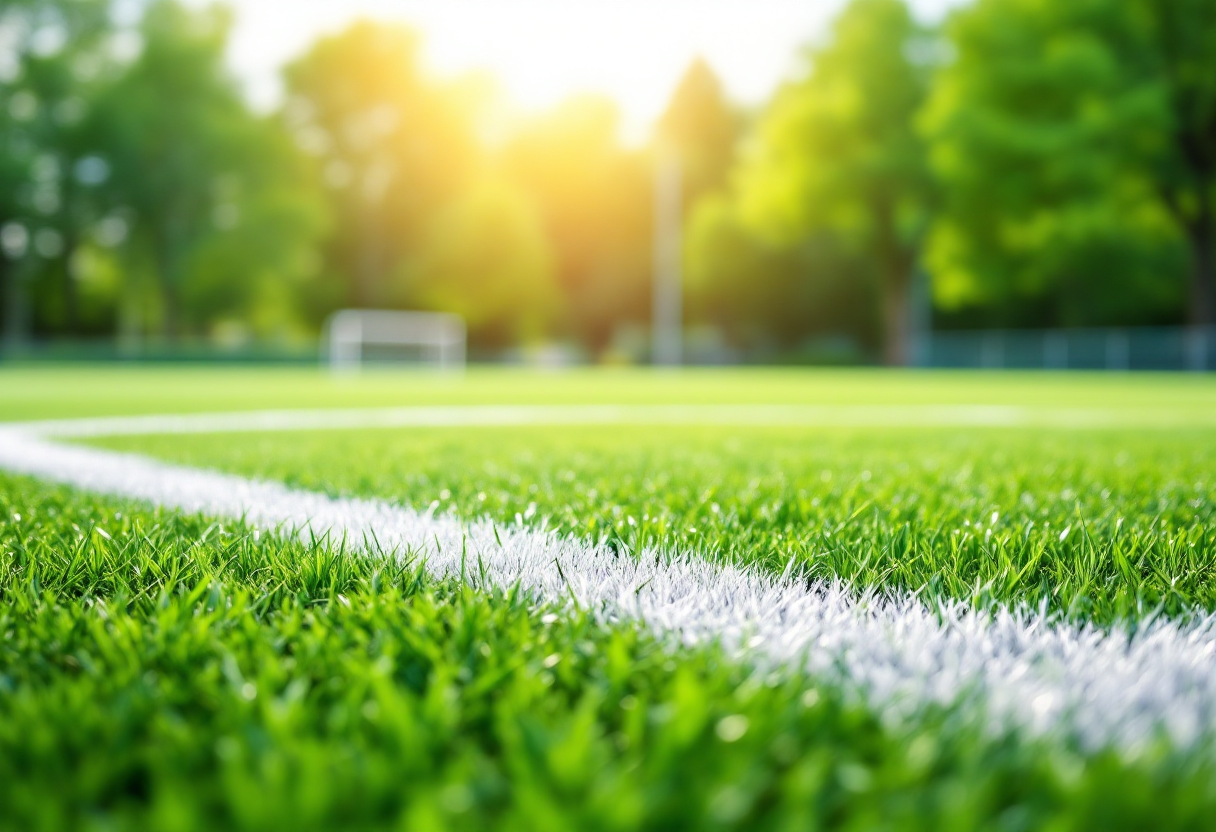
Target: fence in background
pixel 109 350
pixel 1138 348
pixel 1135 348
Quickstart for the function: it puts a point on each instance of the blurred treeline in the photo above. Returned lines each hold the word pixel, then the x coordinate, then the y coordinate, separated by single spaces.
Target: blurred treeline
pixel 1028 163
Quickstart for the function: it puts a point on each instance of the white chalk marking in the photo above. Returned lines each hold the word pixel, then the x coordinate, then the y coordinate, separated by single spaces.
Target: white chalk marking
pixel 541 415
pixel 1024 669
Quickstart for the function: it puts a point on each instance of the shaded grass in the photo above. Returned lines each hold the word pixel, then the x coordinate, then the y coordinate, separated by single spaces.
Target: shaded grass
pixel 1099 525
pixel 163 671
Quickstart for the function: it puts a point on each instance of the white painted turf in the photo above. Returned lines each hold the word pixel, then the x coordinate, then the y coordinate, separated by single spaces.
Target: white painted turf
pixel 1020 667
pixel 995 416
pixel 500 415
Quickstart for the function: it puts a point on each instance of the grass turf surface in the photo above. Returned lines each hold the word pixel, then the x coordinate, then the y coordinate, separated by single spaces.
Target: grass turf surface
pixel 1099 525
pixel 160 671
pixel 175 675
pixel 38 392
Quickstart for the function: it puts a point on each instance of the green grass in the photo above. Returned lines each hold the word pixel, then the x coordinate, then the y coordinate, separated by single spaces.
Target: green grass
pixel 1100 525
pixel 159 671
pixel 39 392
pixel 162 671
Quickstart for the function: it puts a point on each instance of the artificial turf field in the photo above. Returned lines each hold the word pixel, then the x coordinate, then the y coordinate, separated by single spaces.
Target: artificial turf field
pixel 162 670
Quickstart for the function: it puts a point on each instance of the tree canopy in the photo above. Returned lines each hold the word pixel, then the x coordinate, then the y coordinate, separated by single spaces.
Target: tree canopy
pixel 1051 135
pixel 593 196
pixel 1038 164
pixel 837 152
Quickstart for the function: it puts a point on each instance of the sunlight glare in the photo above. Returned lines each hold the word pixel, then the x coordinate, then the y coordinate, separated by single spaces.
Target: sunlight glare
pixel 542 51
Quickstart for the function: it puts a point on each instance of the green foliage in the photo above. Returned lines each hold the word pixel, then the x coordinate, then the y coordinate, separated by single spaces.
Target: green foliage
pixel 594 199
pixel 838 151
pixel 222 208
pixel 394 147
pixel 258 269
pixel 837 148
pixel 703 129
pixel 769 297
pixel 1043 127
pixel 1056 163
pixel 166 672
pixel 50 171
pixel 486 256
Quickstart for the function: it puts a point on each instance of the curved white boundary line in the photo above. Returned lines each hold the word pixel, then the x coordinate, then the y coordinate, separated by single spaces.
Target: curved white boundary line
pixel 542 415
pixel 1027 670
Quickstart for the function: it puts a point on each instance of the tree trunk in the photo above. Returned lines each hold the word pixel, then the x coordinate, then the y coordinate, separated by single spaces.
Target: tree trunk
pixel 1201 233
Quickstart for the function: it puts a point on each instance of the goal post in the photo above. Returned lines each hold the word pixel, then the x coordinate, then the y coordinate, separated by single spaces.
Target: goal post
pixel 439 338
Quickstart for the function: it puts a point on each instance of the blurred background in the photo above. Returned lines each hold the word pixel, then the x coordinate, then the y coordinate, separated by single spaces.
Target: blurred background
pixel 986 183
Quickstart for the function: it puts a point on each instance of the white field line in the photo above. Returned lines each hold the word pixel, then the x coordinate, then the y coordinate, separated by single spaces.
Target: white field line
pixel 523 415
pixel 1025 669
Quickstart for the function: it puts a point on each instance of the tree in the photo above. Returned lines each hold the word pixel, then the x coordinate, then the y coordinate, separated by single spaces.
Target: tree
pixel 487 259
pixel 201 175
pixel 703 129
pixel 1065 136
pixel 258 267
pixel 594 199
pixel 49 162
pixel 773 298
pixel 1184 41
pixel 394 145
pixel 838 153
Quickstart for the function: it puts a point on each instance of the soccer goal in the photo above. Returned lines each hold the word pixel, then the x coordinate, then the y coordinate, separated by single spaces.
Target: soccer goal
pixel 354 337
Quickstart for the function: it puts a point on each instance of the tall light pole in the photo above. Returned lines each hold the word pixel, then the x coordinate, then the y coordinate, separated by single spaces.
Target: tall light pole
pixel 667 316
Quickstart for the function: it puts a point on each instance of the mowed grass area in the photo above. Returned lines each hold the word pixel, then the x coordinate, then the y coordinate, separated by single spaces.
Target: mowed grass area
pixel 52 392
pixel 1098 525
pixel 161 671
pixel 166 672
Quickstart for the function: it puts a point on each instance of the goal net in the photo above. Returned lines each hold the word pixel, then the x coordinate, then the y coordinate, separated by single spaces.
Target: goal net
pixel 354 337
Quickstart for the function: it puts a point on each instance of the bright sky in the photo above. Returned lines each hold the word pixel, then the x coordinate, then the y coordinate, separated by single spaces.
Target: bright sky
pixel 544 50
